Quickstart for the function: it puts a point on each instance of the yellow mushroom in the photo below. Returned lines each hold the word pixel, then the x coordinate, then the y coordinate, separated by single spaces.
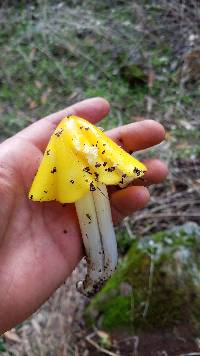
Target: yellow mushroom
pixel 79 161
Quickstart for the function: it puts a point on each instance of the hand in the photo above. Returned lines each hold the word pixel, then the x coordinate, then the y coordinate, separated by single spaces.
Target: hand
pixel 40 243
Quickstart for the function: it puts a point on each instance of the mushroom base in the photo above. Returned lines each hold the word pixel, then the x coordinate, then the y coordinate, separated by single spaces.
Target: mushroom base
pixel 99 239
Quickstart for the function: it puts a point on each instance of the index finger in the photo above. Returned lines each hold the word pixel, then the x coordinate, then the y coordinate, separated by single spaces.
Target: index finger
pixel 93 110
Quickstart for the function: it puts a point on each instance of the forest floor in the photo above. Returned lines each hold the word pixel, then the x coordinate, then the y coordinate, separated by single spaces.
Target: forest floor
pixel 144 59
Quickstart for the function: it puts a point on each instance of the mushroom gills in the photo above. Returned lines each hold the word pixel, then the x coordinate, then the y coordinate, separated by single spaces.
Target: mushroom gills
pixel 99 239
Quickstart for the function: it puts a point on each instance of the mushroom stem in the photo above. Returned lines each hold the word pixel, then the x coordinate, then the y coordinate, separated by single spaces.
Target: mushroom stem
pixel 98 234
pixel 105 223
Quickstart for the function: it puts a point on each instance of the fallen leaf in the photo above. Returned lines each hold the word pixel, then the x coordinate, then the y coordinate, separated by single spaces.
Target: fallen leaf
pixel 151 78
pixel 31 103
pixel 32 53
pixel 45 95
pixel 186 124
pixel 168 136
pixel 38 84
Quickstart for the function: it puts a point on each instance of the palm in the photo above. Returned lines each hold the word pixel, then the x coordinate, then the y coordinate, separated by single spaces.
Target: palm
pixel 40 243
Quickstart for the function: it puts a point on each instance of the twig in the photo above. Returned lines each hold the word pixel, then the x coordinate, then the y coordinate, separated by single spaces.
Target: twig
pixel 191 354
pixel 96 345
pixel 150 286
pixel 135 345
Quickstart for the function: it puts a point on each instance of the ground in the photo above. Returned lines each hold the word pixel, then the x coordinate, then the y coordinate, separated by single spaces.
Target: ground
pixel 144 58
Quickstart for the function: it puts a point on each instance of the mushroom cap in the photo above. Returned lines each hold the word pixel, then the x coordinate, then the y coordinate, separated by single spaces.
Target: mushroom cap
pixel 78 156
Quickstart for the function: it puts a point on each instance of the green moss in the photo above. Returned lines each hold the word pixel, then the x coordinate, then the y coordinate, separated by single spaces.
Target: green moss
pixel 134 74
pixel 119 310
pixel 2 345
pixel 156 285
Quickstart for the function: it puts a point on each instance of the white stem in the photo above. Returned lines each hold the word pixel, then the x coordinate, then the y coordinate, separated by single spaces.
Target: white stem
pixel 86 212
pixel 104 217
pixel 96 225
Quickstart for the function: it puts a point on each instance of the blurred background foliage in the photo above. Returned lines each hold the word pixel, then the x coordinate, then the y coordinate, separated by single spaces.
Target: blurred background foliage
pixel 142 56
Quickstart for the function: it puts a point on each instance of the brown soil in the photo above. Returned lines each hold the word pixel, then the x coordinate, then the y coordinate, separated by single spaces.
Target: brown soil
pixel 160 343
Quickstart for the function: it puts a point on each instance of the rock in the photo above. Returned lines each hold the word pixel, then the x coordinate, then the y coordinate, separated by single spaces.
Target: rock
pixel 157 285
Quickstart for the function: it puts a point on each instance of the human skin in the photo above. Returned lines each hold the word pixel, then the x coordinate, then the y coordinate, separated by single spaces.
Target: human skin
pixel 40 243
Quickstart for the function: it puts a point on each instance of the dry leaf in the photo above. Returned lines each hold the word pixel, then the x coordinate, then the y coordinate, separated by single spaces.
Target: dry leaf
pixel 186 124
pixel 151 78
pixel 31 103
pixel 45 95
pixel 182 145
pixel 168 136
pixel 38 84
pixel 32 53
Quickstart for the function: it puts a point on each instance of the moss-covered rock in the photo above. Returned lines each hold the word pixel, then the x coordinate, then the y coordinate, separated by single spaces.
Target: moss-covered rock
pixel 157 285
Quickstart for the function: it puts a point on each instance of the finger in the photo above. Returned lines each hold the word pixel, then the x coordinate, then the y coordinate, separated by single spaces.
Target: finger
pixel 124 202
pixel 139 135
pixel 93 109
pixel 156 173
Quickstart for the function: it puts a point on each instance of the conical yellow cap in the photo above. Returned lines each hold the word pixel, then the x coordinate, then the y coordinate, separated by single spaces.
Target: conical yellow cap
pixel 78 156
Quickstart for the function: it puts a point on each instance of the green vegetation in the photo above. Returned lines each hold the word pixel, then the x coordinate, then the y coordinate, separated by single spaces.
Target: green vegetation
pixel 54 55
pixel 50 58
pixel 2 345
pixel 156 285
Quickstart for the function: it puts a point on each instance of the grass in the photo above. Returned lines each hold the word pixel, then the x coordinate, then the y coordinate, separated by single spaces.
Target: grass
pixel 51 58
pixel 54 55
